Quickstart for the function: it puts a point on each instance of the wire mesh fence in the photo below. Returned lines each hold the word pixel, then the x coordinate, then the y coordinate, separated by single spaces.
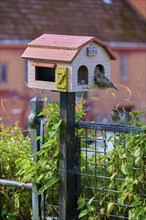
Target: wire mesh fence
pixel 52 204
pixel 98 167
pixel 99 172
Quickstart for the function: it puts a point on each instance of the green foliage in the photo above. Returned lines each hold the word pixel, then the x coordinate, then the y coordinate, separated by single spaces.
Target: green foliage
pixel 44 170
pixel 126 163
pixel 17 163
pixel 124 168
pixel 89 209
pixel 14 150
pixel 129 163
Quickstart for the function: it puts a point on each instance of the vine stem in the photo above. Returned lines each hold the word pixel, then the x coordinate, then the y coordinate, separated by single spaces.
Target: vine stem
pixel 139 96
pixel 6 195
pixel 125 87
pixel 129 91
pixel 5 109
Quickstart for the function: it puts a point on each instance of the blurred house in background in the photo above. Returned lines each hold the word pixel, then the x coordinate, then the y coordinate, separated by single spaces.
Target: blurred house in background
pixel 139 5
pixel 121 24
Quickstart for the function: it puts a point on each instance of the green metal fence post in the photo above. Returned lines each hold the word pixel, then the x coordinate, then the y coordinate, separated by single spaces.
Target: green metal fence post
pixel 36 107
pixel 67 157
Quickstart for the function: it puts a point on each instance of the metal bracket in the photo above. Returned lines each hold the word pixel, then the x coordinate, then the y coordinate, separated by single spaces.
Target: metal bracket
pixel 35 108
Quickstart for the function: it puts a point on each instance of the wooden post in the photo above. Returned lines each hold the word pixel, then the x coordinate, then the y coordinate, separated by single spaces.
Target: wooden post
pixel 67 157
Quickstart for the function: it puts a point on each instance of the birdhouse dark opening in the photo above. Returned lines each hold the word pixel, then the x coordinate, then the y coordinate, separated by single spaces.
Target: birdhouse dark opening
pixel 45 74
pixel 99 68
pixel 82 75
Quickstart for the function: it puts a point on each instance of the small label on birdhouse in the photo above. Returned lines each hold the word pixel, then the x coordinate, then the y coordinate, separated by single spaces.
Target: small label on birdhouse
pixel 91 50
pixel 62 78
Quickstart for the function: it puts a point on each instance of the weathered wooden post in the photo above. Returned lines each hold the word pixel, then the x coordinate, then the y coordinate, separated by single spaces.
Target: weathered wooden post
pixel 67 157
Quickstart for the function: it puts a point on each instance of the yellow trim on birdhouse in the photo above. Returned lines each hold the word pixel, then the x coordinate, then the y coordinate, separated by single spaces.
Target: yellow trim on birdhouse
pixel 62 78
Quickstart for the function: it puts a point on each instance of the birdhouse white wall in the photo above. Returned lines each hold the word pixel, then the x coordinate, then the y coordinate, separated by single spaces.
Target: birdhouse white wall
pixel 88 64
pixel 43 75
pixel 66 63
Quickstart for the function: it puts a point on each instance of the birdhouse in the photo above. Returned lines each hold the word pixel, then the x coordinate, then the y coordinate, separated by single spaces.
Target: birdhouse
pixel 66 63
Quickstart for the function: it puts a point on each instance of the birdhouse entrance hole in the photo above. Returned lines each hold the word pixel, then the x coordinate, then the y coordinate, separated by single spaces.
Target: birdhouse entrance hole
pixel 99 68
pixel 45 74
pixel 82 75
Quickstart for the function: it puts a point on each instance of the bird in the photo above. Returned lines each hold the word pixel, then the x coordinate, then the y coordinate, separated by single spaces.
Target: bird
pixel 115 115
pixel 101 80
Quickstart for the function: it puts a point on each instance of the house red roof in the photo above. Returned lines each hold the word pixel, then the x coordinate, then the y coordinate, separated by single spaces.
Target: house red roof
pixel 140 5
pixel 60 47
pixel 116 21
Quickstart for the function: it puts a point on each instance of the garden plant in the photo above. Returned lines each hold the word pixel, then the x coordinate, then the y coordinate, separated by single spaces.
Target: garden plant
pixel 128 163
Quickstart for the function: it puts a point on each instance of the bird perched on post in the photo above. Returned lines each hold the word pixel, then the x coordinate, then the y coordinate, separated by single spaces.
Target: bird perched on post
pixel 101 80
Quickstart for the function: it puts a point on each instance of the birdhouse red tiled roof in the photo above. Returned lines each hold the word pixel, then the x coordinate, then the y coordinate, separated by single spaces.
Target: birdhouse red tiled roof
pixel 61 47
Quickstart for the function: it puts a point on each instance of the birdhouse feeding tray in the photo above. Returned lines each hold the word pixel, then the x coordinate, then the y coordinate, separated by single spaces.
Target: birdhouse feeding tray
pixel 66 63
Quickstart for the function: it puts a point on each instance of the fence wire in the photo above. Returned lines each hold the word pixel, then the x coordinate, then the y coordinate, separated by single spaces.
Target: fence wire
pixel 50 204
pixel 93 179
pixel 94 142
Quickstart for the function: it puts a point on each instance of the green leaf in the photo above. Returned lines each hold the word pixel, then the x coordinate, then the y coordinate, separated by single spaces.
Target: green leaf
pixel 134 204
pixel 91 200
pixel 17 201
pixel 130 214
pixel 110 138
pixel 91 208
pixel 144 127
pixel 81 202
pixel 137 153
pixel 102 200
pixel 48 184
pixel 125 168
pixel 39 177
pixel 83 213
pixel 137 160
pixel 113 175
pixel 12 216
pixel 30 169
